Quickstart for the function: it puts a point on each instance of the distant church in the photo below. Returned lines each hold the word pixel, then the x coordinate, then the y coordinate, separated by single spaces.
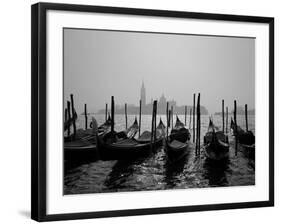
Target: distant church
pixel 147 106
pixel 161 102
pixel 143 95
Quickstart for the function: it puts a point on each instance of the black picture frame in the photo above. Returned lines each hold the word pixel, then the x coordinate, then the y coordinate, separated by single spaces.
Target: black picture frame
pixel 38 108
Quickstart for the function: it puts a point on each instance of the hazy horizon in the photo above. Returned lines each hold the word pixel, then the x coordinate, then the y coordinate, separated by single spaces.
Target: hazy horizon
pixel 99 64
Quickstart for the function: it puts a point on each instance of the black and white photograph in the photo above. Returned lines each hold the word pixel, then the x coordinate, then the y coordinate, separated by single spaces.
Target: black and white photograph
pixel 139 111
pixel 157 111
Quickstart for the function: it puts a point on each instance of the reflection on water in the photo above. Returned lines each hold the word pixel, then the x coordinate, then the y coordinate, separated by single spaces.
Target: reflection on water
pixel 155 172
pixel 121 171
pixel 215 172
pixel 173 172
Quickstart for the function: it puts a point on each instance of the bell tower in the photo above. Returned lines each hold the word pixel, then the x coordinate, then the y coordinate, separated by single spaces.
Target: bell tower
pixel 143 95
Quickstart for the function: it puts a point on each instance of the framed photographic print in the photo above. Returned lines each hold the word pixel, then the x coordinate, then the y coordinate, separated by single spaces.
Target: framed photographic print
pixel 139 111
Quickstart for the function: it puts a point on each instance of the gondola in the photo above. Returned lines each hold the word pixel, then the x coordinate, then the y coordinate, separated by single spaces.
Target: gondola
pixel 87 134
pixel 87 143
pixel 112 148
pixel 177 143
pixel 245 138
pixel 216 143
pixel 180 132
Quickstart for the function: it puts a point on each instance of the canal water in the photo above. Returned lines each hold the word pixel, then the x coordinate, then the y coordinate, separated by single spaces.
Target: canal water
pixel 154 172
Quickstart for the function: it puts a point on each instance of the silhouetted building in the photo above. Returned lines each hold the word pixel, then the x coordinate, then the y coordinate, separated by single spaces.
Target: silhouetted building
pixel 147 107
pixel 143 95
pixel 162 104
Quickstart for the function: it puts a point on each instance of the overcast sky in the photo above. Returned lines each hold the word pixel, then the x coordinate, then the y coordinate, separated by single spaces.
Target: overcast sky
pixel 99 64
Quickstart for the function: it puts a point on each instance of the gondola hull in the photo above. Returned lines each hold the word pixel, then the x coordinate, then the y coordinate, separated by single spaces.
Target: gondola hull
pixel 249 150
pixel 181 135
pixel 111 147
pixel 247 140
pixel 216 144
pixel 176 151
pixel 126 149
pixel 217 150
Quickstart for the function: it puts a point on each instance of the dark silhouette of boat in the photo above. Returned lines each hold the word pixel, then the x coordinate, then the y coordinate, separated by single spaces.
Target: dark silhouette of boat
pixel 245 138
pixel 216 143
pixel 86 143
pixel 111 147
pixel 215 172
pixel 180 132
pixel 178 142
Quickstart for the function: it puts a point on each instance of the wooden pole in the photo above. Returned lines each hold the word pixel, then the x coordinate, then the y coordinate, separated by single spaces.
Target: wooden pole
pixel 222 116
pixel 106 112
pixel 167 114
pixel 69 117
pixel 155 119
pixel 86 116
pixel 235 124
pixel 190 112
pixel 126 117
pixel 198 126
pixel 152 126
pixel 73 115
pixel 185 113
pixel 168 122
pixel 246 116
pixel 172 112
pixel 226 121
pixel 112 113
pixel 140 120
pixel 193 117
pixel 167 118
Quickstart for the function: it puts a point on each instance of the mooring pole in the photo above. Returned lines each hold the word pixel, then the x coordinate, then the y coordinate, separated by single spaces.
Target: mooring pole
pixel 167 118
pixel 190 111
pixel 106 112
pixel 155 120
pixel 198 126
pixel 73 115
pixel 226 121
pixel 140 120
pixel 168 123
pixel 246 116
pixel 222 111
pixel 112 113
pixel 152 126
pixel 126 117
pixel 193 117
pixel 69 117
pixel 235 124
pixel 167 113
pixel 172 111
pixel 185 113
pixel 86 116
